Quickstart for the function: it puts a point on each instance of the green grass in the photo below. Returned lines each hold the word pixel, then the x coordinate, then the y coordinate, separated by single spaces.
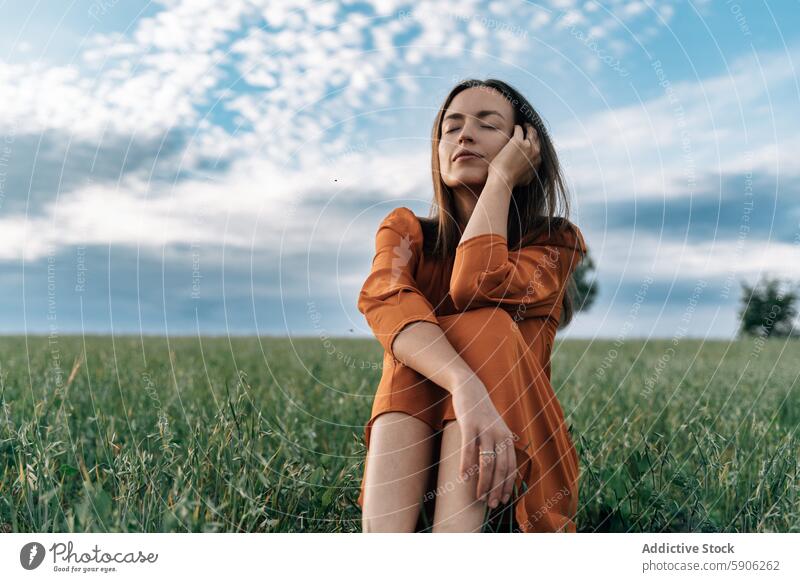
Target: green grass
pixel 247 435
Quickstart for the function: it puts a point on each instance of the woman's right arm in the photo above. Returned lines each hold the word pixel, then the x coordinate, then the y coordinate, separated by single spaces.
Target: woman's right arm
pixel 404 322
pixel 399 314
pixel 424 347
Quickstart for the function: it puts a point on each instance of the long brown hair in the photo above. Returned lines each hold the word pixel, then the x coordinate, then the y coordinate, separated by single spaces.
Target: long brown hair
pixel 536 208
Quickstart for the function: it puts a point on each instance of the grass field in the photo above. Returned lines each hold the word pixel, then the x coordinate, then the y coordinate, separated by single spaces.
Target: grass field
pixel 263 435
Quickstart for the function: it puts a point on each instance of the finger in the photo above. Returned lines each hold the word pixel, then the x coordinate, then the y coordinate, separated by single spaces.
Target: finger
pixel 499 477
pixel 535 151
pixel 525 141
pixel 534 133
pixel 503 458
pixel 516 133
pixel 519 138
pixel 467 451
pixel 534 139
pixel 486 470
pixel 533 146
pixel 526 131
pixel 511 473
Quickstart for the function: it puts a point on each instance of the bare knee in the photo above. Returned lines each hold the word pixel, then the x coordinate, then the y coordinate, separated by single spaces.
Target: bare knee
pixel 391 511
pixel 456 509
pixel 398 463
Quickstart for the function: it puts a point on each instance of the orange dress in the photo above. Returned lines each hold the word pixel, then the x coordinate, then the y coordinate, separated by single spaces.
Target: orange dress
pixel 500 310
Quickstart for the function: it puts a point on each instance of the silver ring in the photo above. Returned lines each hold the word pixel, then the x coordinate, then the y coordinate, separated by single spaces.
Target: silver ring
pixel 493 453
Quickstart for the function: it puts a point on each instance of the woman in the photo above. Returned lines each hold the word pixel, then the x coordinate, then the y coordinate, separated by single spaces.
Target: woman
pixel 466 305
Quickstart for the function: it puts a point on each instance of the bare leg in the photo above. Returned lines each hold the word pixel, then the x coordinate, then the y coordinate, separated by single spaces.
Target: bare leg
pixel 397 472
pixel 456 509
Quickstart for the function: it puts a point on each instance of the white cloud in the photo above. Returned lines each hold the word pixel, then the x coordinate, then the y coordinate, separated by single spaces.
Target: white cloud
pixel 310 64
pixel 280 161
pixel 257 205
pixel 638 253
pixel 664 146
pixel 634 8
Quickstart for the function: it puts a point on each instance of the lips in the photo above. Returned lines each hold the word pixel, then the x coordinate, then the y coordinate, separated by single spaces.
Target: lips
pixel 469 154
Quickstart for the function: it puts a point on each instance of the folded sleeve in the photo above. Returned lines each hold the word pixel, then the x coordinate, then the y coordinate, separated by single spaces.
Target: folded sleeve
pixel 390 298
pixel 530 280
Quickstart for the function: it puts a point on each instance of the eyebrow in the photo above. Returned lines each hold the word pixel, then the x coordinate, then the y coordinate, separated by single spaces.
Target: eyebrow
pixel 482 113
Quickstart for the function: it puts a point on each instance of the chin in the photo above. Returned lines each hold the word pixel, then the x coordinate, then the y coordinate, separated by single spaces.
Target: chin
pixel 467 179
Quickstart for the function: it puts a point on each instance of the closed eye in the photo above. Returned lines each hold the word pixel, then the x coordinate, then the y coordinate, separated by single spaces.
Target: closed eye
pixel 451 130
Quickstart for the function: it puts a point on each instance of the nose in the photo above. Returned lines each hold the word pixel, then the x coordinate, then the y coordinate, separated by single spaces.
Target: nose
pixel 465 134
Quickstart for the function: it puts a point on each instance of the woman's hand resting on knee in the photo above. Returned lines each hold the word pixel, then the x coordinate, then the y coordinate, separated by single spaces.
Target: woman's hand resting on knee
pixel 483 429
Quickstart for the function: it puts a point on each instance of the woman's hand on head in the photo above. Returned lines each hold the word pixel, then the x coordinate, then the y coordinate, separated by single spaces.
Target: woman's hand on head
pixel 483 429
pixel 517 162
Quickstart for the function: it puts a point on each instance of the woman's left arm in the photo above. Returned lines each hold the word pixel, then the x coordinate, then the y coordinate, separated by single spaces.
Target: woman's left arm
pixel 491 210
pixel 486 273
pixel 514 164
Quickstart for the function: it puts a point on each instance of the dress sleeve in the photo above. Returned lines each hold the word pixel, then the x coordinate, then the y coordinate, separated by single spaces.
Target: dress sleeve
pixel 390 298
pixel 530 280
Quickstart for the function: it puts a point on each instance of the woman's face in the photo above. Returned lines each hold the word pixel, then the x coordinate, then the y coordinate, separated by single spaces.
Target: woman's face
pixel 481 120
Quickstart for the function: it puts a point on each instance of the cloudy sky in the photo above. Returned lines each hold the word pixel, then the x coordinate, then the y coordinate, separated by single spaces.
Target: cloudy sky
pixel 221 167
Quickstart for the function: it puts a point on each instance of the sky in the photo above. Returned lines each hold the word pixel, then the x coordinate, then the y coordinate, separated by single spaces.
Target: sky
pixel 220 168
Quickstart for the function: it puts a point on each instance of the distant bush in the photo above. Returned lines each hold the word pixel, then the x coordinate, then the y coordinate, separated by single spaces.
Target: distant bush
pixel 768 310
